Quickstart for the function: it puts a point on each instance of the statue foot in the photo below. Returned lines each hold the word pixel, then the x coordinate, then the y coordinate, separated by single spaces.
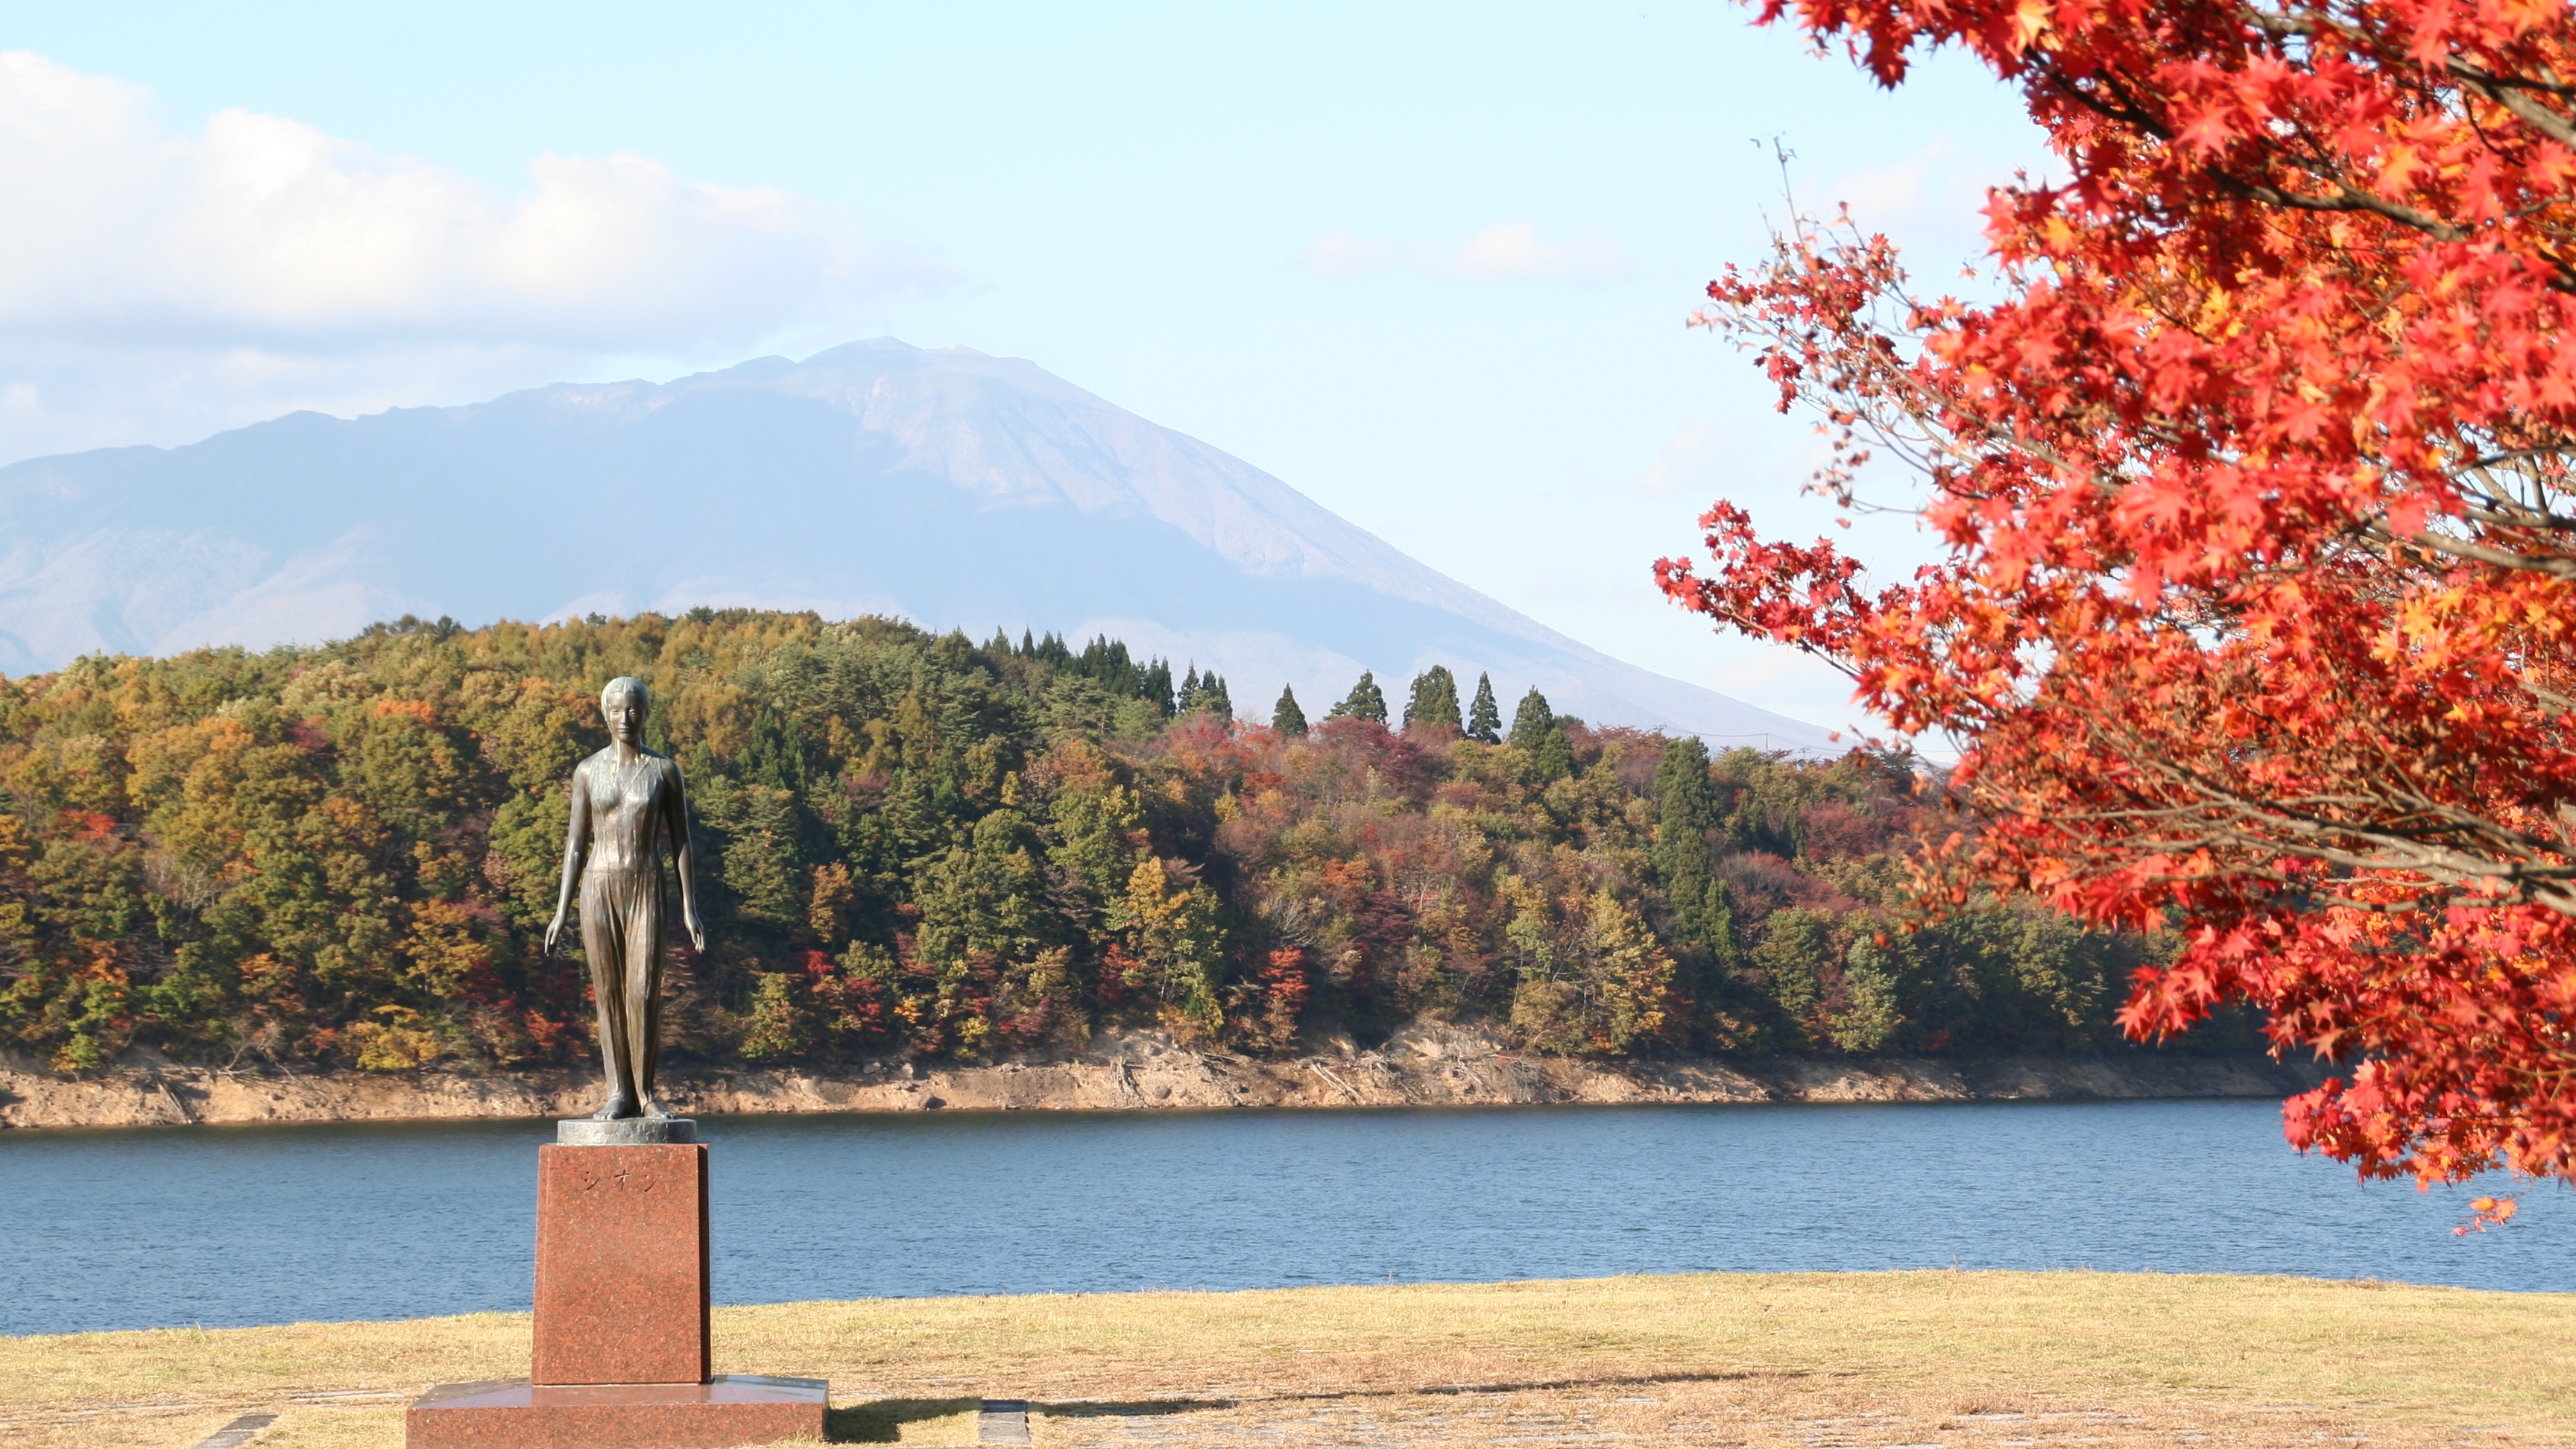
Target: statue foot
pixel 615 1109
pixel 653 1111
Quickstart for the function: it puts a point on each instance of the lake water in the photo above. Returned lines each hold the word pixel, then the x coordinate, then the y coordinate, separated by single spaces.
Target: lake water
pixel 224 1226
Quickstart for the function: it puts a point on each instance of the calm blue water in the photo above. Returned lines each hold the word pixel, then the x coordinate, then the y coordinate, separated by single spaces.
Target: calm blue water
pixel 224 1226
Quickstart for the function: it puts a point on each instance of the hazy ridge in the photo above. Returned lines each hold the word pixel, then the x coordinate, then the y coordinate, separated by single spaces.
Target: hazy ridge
pixel 960 490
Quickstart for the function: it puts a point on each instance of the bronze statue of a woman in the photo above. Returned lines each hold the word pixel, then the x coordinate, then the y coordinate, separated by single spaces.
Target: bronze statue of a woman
pixel 623 798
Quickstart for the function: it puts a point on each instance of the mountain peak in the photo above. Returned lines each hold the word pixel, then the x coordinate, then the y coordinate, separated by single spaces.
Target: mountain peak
pixel 954 487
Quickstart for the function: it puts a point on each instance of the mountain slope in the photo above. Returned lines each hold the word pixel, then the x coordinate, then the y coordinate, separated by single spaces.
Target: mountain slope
pixel 958 489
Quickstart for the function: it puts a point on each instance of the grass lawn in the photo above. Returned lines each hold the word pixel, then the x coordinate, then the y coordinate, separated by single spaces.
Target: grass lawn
pixel 1809 1359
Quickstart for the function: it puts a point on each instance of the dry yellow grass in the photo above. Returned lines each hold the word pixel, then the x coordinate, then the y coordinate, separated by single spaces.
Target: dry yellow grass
pixel 1928 1358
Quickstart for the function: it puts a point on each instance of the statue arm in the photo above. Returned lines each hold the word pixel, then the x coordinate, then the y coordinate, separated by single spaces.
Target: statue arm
pixel 576 836
pixel 685 856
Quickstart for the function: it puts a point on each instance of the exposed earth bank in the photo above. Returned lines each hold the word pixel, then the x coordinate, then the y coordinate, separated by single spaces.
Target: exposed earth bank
pixel 1427 1065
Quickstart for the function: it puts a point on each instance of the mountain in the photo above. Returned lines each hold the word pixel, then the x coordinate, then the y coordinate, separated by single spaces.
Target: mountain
pixel 957 489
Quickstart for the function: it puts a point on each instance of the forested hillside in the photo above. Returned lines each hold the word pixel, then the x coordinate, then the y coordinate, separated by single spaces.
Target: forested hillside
pixel 918 844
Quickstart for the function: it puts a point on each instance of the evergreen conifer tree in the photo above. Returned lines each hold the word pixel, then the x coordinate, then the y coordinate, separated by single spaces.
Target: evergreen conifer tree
pixel 1286 717
pixel 1205 693
pixel 1434 701
pixel 1553 759
pixel 1107 661
pixel 1685 816
pixel 1540 738
pixel 1532 719
pixel 1366 701
pixel 1485 717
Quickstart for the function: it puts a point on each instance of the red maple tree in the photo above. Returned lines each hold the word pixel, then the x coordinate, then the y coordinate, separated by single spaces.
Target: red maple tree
pixel 2255 609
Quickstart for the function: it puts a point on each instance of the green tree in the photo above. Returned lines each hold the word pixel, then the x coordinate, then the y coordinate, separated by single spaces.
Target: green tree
pixel 1485 717
pixel 1791 962
pixel 1870 1015
pixel 1433 703
pixel 1685 817
pixel 1553 759
pixel 777 1026
pixel 1286 717
pixel 1099 830
pixel 758 859
pixel 1539 738
pixel 1175 934
pixel 986 897
pixel 1365 701
pixel 1532 719
pixel 1205 694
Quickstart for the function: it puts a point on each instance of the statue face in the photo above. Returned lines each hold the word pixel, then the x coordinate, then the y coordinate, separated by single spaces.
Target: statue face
pixel 624 712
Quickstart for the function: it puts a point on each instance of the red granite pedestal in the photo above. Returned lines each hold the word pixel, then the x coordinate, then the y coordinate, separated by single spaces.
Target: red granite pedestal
pixel 622 1265
pixel 621 1334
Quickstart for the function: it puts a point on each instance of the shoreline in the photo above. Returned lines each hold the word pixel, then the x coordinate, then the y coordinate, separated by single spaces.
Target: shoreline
pixel 1422 1066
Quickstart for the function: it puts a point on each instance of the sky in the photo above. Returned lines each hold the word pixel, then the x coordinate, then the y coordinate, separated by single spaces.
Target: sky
pixel 1429 264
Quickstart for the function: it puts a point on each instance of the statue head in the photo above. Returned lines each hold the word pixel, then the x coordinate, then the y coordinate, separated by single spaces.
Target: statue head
pixel 623 703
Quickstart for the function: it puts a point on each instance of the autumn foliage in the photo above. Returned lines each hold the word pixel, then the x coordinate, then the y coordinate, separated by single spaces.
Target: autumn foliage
pixel 2255 613
pixel 916 845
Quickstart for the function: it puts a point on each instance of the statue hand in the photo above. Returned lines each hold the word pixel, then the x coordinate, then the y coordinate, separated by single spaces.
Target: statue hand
pixel 697 930
pixel 554 929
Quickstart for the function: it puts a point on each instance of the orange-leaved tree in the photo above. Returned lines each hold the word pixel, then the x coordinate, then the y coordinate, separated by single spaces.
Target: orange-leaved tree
pixel 2254 612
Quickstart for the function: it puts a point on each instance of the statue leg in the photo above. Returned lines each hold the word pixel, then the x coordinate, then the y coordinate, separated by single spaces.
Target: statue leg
pixel 604 940
pixel 643 983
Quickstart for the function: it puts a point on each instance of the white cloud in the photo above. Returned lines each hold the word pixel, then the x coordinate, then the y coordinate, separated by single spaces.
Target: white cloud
pixel 1932 201
pixel 1928 186
pixel 1342 254
pixel 1511 251
pixel 262 264
pixel 1702 454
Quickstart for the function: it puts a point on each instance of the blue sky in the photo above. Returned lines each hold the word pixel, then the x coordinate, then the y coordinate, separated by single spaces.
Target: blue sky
pixel 1429 266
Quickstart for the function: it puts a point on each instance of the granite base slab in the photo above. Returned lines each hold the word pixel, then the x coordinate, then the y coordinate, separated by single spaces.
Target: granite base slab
pixel 732 1409
pixel 625 1131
